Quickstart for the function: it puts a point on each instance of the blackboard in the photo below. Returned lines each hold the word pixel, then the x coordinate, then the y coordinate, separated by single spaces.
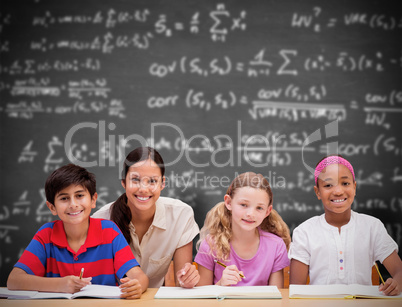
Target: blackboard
pixel 218 87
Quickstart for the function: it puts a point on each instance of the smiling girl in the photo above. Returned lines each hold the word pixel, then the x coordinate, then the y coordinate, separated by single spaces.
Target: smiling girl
pixel 244 233
pixel 340 246
pixel 157 228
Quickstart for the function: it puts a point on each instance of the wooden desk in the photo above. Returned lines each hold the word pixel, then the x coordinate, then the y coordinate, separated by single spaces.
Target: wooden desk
pixel 148 300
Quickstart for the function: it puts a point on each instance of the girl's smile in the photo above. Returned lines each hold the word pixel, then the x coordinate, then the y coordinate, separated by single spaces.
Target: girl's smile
pixel 249 207
pixel 339 201
pixel 336 189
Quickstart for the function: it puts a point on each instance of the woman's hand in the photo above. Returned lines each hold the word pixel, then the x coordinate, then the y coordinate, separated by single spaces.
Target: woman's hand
pixel 188 276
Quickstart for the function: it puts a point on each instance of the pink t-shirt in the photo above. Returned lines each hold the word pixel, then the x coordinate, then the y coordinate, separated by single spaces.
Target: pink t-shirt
pixel 271 256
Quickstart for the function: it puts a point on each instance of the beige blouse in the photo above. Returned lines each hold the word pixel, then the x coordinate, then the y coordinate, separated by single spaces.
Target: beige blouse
pixel 173 227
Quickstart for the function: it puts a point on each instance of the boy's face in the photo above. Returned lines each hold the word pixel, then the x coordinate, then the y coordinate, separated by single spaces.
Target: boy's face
pixel 73 204
pixel 336 188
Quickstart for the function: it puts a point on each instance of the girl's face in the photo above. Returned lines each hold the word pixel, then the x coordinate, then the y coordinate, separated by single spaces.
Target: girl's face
pixel 143 184
pixel 249 207
pixel 336 189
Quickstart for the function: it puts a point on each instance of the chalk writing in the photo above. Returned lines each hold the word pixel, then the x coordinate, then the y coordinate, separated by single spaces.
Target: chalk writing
pixel 318 23
pixel 259 66
pixel 218 88
pixel 294 111
pixel 32 66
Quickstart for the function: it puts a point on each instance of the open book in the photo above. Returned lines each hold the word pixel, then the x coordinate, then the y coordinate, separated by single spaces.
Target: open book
pixel 337 291
pixel 94 291
pixel 220 292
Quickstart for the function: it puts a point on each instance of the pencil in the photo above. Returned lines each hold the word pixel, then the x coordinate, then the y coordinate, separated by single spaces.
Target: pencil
pixel 223 265
pixel 82 273
pixel 382 280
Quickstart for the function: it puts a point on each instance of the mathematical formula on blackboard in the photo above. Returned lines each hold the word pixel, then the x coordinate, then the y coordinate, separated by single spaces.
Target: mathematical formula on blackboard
pixel 218 88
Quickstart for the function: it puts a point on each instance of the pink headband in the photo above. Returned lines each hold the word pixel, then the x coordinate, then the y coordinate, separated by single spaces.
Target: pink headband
pixel 332 160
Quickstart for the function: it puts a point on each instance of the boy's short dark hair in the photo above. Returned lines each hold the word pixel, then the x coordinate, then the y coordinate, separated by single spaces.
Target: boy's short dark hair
pixel 67 175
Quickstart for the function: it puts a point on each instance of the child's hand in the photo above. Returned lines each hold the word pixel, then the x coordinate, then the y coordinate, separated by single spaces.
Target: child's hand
pixel 390 287
pixel 230 276
pixel 188 276
pixel 130 288
pixel 72 284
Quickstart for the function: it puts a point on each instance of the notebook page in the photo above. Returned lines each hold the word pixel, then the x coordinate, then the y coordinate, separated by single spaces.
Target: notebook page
pixel 100 291
pixel 179 292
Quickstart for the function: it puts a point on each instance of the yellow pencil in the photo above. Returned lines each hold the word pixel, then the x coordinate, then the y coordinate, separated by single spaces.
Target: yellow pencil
pixel 382 280
pixel 223 265
pixel 82 273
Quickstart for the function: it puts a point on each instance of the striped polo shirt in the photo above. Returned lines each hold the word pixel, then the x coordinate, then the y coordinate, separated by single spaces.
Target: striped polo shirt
pixel 105 255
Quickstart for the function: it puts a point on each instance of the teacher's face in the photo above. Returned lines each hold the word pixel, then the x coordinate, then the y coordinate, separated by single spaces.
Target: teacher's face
pixel 143 185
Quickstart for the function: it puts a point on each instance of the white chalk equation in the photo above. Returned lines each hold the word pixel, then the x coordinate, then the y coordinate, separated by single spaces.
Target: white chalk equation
pixel 218 88
pixel 31 67
pixel 272 148
pixel 263 64
pixel 224 23
pixel 76 89
pixel 27 110
pixel 380 145
pixel 294 111
pixel 28 204
pixel 291 102
pixel 318 20
pixel 86 96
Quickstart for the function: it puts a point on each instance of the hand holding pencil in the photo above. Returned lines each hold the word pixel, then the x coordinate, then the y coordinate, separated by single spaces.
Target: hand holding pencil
pixel 389 287
pixel 230 275
pixel 72 283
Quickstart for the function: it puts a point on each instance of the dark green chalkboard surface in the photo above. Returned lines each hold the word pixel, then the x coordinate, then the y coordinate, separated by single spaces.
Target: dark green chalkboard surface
pixel 218 87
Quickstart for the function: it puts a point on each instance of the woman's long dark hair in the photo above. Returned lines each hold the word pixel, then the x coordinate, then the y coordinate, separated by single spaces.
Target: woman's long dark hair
pixel 120 212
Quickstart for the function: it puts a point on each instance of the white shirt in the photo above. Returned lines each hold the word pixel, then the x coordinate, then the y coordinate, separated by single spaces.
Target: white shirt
pixel 173 227
pixel 341 258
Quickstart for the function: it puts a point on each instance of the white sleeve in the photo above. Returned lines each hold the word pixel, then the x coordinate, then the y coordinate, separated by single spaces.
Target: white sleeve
pixel 103 213
pixel 299 248
pixel 384 245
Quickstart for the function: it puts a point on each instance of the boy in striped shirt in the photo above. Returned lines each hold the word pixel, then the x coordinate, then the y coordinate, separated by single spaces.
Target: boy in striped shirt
pixel 60 250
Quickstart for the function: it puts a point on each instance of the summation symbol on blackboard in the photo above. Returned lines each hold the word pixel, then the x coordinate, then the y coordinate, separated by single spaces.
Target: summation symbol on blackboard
pixel 218 30
pixel 50 162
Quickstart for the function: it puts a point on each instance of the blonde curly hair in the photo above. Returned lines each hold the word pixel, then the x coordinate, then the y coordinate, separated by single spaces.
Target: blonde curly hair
pixel 217 229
